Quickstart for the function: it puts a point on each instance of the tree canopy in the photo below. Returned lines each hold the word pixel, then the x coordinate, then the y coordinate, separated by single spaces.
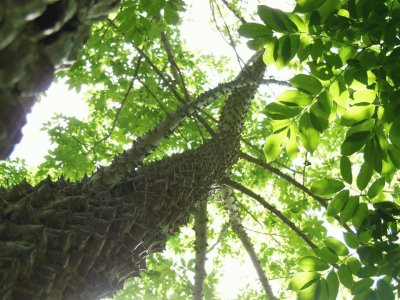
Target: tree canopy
pixel 314 197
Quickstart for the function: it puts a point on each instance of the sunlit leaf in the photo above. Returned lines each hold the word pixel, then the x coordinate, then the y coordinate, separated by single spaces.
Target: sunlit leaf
pixel 337 246
pixel 326 187
pixel 306 83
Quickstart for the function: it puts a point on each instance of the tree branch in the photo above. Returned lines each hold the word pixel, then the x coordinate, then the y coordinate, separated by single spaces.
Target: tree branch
pixel 272 209
pixel 200 227
pixel 234 11
pixel 236 223
pixel 266 166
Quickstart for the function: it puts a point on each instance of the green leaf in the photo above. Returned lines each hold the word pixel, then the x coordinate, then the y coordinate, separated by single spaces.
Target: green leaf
pixel 364 176
pixel 354 265
pixel 337 246
pixel 296 97
pixel 308 134
pixel 254 31
pixel 361 285
pixel 326 187
pixel 312 263
pixel 282 110
pixel 349 209
pixel 345 169
pixel 302 280
pixel 360 214
pixel 274 144
pixel 276 20
pixel 292 147
pixel 326 254
pixel 333 285
pixel 373 154
pixel 345 276
pixel 376 187
pixel 364 96
pixel 384 290
pixel 306 83
pixel 356 114
pixel 304 6
pixel 170 14
pixel 394 155
pixel 394 133
pixel 322 292
pixel 351 239
pixel 338 202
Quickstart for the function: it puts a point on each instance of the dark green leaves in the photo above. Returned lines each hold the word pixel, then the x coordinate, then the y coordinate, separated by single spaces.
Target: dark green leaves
pixel 345 169
pixel 338 202
pixel 326 187
pixel 364 176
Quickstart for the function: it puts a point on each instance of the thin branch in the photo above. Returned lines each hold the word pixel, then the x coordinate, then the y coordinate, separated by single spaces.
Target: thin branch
pixel 223 231
pixel 234 11
pixel 272 209
pixel 266 166
pixel 200 227
pixel 284 176
pixel 231 41
pixel 236 224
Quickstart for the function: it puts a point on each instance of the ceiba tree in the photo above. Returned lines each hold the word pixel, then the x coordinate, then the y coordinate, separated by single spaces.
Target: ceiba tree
pixel 82 239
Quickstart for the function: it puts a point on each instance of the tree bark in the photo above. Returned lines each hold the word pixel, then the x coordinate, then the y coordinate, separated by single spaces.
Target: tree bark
pixel 36 38
pixel 61 240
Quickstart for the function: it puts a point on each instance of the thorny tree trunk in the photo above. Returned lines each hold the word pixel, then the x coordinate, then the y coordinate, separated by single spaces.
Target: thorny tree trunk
pixel 72 241
pixel 36 38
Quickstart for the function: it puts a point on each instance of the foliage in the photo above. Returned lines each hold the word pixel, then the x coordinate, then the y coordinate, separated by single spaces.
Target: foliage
pixel 336 130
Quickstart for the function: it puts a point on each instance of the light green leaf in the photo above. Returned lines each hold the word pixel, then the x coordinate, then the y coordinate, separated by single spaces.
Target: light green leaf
pixel 356 114
pixel 307 83
pixel 296 97
pixel 338 202
pixel 302 280
pixel 292 147
pixel 326 187
pixel 274 145
pixel 170 14
pixel 309 136
pixel 337 246
pixel 305 6
pixel 312 263
pixel 326 254
pixel 282 110
pixel 394 133
pixel 367 96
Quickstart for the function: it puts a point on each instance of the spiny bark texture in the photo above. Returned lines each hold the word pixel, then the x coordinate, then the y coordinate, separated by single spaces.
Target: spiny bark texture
pixel 60 240
pixel 36 38
pixel 236 224
pixel 200 227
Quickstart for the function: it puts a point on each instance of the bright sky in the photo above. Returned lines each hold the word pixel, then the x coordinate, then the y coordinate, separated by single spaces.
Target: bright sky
pixel 200 35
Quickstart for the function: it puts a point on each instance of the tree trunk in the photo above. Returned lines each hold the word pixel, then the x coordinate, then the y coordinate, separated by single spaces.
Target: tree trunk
pixel 71 241
pixel 36 38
